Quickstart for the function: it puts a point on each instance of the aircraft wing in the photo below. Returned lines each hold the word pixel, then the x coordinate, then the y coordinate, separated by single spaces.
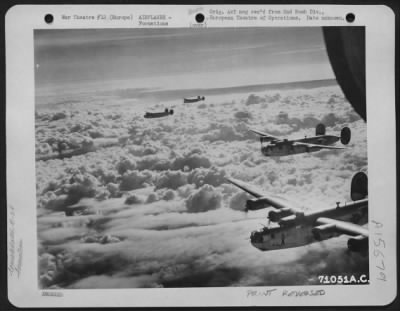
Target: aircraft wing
pixel 264 135
pixel 344 226
pixel 317 146
pixel 253 190
pixel 267 198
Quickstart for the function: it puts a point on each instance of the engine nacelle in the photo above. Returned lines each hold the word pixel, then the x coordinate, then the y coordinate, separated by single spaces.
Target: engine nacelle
pixel 359 186
pixel 276 216
pixel 255 204
pixel 288 221
pixel 264 139
pixel 324 232
pixel 358 244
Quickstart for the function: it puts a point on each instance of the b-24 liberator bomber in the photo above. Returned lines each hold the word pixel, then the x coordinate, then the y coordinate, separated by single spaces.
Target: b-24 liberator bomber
pixel 274 146
pixel 293 227
pixel 153 115
pixel 188 100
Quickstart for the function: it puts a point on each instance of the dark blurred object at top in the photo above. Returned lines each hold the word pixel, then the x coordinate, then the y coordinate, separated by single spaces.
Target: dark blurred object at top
pixel 346 51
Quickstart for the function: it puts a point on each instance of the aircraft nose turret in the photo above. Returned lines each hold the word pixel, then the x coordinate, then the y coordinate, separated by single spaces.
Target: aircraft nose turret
pixel 256 237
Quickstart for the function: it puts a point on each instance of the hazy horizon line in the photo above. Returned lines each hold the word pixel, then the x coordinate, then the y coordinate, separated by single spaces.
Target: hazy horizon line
pixel 170 94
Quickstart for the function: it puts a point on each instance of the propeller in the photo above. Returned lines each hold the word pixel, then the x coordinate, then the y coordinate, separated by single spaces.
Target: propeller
pixel 269 220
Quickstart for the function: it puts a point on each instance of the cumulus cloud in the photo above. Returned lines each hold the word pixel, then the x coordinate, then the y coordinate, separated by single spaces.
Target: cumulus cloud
pixel 58 116
pixel 113 189
pixel 81 185
pixel 254 99
pixel 206 198
pixel 171 179
pixel 186 190
pixel 225 132
pixel 190 162
pixel 126 164
pixel 152 198
pixel 243 115
pixel 134 179
pixel 212 176
pixel 53 202
pixel 331 119
pixel 133 199
pixel 238 201
pixel 153 162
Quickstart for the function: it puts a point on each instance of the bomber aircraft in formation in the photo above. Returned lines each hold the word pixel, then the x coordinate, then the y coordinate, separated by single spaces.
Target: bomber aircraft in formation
pixel 292 227
pixel 187 100
pixel 273 146
pixel 165 113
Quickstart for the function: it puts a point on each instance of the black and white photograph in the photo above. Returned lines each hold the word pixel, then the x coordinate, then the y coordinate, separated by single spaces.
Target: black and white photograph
pixel 216 157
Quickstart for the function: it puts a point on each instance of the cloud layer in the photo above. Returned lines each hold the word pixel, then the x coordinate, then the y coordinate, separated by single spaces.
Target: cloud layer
pixel 145 203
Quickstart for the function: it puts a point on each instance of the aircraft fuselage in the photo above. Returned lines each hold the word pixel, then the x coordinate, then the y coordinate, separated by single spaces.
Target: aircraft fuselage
pixel 286 147
pixel 319 140
pixel 295 231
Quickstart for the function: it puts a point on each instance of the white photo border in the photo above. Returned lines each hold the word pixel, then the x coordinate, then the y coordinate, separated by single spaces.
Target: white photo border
pixel 23 290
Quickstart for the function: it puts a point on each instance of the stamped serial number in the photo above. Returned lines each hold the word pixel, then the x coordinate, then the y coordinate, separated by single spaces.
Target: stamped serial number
pixel 343 279
pixel 52 294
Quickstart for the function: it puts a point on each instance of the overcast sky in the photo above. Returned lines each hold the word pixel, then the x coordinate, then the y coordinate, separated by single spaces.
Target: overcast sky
pixel 180 58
